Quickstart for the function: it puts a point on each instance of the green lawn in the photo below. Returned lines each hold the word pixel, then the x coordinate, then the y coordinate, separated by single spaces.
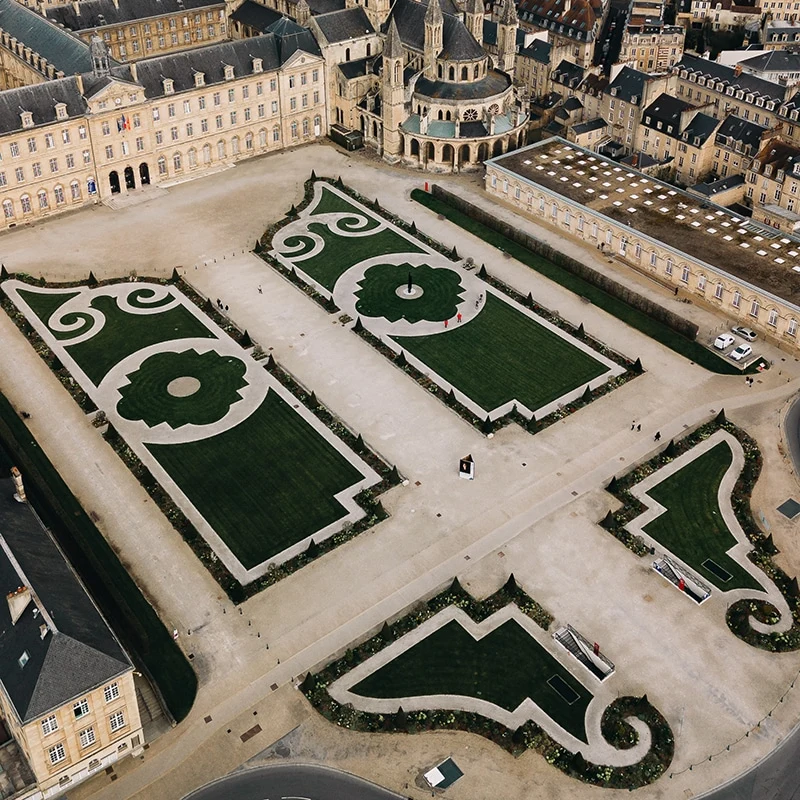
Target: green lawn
pixel 133 619
pixel 147 396
pixel 263 485
pixel 330 202
pixel 502 355
pixel 122 334
pixel 504 667
pixel 692 526
pixel 377 296
pixel 343 252
pixel 613 305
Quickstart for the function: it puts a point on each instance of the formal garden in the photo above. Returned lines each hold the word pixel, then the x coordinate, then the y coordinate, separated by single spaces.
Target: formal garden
pixel 491 354
pixel 251 469
pixel 506 667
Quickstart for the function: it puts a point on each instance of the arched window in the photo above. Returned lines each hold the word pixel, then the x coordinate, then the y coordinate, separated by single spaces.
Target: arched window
pixel 75 190
pixel 206 153
pixel 248 141
pixel 59 195
pixel 347 54
pixel 176 162
pixel 369 49
pixel 294 130
pixel 440 70
pixel 305 127
pixel 447 116
pixel 464 73
pixel 43 203
pixel 25 202
pixel 235 145
pixel 220 149
pixel 192 157
pixel 477 71
pixel 470 115
pixel 441 115
pixel 162 166
pixel 276 134
pixel 8 209
pixel 262 137
pixel 452 73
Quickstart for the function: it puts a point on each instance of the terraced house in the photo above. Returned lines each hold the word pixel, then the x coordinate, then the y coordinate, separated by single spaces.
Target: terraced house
pixel 67 693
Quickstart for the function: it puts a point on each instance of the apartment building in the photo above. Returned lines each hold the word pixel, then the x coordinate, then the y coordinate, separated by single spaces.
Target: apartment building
pixel 773 185
pixel 627 94
pixel 722 15
pixel 651 46
pixel 532 68
pixel 572 26
pixel 135 29
pixel 736 141
pixel 67 693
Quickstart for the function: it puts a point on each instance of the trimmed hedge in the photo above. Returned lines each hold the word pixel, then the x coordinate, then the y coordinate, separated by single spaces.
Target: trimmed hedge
pixel 530 736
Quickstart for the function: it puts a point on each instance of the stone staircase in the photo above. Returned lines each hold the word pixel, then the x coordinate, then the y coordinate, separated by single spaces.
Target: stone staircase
pixel 582 650
pixel 693 586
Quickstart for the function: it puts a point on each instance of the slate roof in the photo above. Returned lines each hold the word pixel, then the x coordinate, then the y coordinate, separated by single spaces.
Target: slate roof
pixel 255 16
pixel 494 83
pixel 355 69
pixel 538 50
pixel 578 21
pixel 64 50
pixel 272 49
pixel 667 110
pixel 338 26
pixel 97 13
pixel 714 187
pixel 629 84
pixel 699 129
pixel 40 99
pixel 740 130
pixel 591 125
pixel 778 155
pixel 572 104
pixel 567 73
pixel 749 84
pixel 490 34
pixel 458 44
pixel 773 61
pixel 80 652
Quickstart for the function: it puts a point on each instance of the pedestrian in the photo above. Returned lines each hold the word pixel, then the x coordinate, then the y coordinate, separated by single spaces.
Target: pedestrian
pixel 639 427
pixel 676 291
pixel 259 289
pixel 657 437
pixel 477 303
pixel 633 424
pixel 480 297
pixel 219 303
pixel 445 322
pixel 226 309
pixel 458 317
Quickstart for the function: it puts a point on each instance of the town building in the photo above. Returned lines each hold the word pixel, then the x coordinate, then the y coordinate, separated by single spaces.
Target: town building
pixel 778 34
pixel 778 66
pixel 651 46
pixel 736 141
pixel 721 15
pixel 67 693
pixel 773 185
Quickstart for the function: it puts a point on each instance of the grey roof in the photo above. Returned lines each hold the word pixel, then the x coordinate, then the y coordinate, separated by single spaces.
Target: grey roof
pixel 567 73
pixel 740 130
pixel 774 61
pixel 273 50
pixel 458 43
pixel 699 129
pixel 64 50
pixel 325 6
pixel 393 47
pixel 728 77
pixel 40 99
pixel 337 26
pixel 572 104
pixel 714 187
pixel 538 50
pixel 667 110
pixel 595 124
pixel 494 83
pixel 97 13
pixel 80 653
pixel 255 16
pixel 490 34
pixel 629 84
pixel 355 69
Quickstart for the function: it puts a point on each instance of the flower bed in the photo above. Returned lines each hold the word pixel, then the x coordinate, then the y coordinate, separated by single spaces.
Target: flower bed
pixel 529 736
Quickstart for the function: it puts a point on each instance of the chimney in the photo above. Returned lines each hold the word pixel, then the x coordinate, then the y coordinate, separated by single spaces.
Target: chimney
pixel 17 602
pixel 737 70
pixel 19 488
pixel 76 7
pixel 132 66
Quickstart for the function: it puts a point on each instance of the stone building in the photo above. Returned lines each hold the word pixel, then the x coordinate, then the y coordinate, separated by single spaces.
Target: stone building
pixel 135 29
pixel 651 46
pixel 735 266
pixel 67 694
pixel 773 184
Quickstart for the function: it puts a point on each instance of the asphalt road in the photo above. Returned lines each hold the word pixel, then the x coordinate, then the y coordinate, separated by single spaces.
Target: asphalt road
pixel 292 782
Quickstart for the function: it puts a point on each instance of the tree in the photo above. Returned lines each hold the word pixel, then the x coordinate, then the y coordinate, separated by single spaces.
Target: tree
pixel 271 362
pixel 3 272
pixel 92 280
pixel 608 521
pixel 401 359
pixel 246 341
pixel 530 299
pixel 721 419
pixel 359 446
pixel 581 332
pixel 637 366
pixel 454 254
pixel 394 475
pixel 487 426
pixel 313 175
pixel 358 327
pixel 482 272
pixel 671 450
pixel 176 276
pixel 612 485
pixel 511 585
pixel 587 394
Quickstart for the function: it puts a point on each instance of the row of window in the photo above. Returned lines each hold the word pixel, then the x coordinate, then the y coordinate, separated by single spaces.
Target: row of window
pixel 37 168
pixel 42 199
pixel 58 752
pixel 147 27
pixel 80 708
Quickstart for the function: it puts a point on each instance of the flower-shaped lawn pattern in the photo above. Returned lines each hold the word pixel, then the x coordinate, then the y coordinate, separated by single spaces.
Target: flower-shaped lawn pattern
pixel 184 388
pixel 436 297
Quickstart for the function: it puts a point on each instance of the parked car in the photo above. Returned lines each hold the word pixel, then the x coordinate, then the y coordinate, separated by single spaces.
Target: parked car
pixel 723 341
pixel 745 333
pixel 742 351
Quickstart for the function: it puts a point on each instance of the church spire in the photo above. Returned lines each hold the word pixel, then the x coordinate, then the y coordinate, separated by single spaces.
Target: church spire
pixel 393 47
pixel 508 14
pixel 434 16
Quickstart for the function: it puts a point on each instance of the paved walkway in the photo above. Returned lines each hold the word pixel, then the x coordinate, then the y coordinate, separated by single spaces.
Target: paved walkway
pixel 532 509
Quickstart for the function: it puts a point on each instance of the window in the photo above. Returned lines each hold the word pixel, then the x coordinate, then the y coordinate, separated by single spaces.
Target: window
pixel 43 203
pixel 305 127
pixel 580 224
pixel 245 92
pixel 87 157
pixel 31 144
pixel 65 136
pixel 81 708
pixel 3 180
pixel 276 134
pixel 685 274
pixel 192 157
pixel 260 110
pixel 53 165
pixel 304 76
pixel 139 144
pixel 608 236
pixel 49 724
pixel 159 137
pixel 291 80
pixel 293 103
pixel 231 95
pixel 162 166
pixel 8 209
pixel 235 145
pixel 57 753
pixel 754 308
pixel 204 126
pixel 14 147
pixel 117 721
pixel 304 101
pixel 274 106
pixel 217 98
pixel 187 106
pixel 25 201
pixel 171 110
pixel 37 170
pixel 176 162
pixel 315 75
pixel 668 267
pixel 701 282
pixel 273 84
pixel 638 250
pixel 294 130
pixel 173 132
pixel 791 328
pixel 233 117
pixel 189 129
pixel 218 121
pixel 259 88
pixel 737 299
pixel 773 318
pixel 653 258
pixel 75 190
pixel 201 102
pixel 87 737
pixel 49 142
pixel 109 151
pixel 19 174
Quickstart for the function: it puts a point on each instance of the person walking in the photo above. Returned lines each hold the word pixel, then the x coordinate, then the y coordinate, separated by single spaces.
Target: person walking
pixel 657 437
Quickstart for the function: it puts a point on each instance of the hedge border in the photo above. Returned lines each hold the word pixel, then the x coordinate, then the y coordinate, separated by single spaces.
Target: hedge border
pixel 236 591
pixel 738 614
pixel 529 736
pixel 487 425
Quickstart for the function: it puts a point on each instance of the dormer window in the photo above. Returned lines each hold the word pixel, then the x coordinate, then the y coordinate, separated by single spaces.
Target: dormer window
pixel 61 110
pixel 229 72
pixel 258 65
pixel 199 79
pixel 169 86
pixel 27 119
pixel 768 170
pixel 780 176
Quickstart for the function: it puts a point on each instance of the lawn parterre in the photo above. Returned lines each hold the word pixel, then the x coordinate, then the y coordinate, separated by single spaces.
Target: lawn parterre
pixel 246 465
pixel 493 358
